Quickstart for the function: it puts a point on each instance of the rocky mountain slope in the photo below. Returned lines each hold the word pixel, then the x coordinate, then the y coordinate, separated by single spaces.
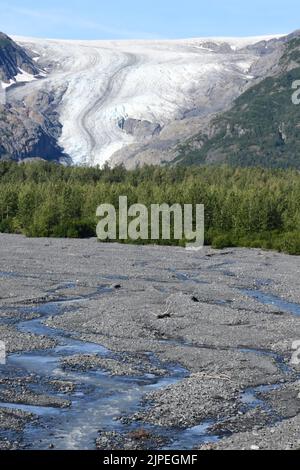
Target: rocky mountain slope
pixel 29 127
pixel 263 126
pixel 15 62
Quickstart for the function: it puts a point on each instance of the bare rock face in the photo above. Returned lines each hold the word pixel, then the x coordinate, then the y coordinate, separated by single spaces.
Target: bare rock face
pixel 140 129
pixel 13 58
pixel 31 129
pixel 29 126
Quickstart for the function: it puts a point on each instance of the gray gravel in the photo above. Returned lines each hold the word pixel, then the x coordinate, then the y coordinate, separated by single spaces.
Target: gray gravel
pixel 136 440
pixel 123 366
pixel 14 419
pixel 191 401
pixel 285 401
pixel 17 341
pixel 186 308
pixel 15 391
pixel 283 436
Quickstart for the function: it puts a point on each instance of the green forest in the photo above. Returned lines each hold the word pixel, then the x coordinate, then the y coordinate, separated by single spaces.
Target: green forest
pixel 249 207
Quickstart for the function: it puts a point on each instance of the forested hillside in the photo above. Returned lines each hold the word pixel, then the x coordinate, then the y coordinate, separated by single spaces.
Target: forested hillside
pixel 262 128
pixel 243 207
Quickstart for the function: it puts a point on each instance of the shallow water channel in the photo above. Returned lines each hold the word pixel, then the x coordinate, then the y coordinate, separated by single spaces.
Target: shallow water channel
pixel 100 399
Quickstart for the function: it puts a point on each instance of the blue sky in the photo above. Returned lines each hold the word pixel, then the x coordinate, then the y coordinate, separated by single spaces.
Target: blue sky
pixel 132 19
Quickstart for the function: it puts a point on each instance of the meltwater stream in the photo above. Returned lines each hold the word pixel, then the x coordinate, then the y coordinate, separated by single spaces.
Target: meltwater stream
pixel 270 299
pixel 250 396
pixel 100 399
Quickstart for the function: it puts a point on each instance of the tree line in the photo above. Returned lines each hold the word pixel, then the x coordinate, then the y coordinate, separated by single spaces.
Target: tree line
pixel 250 207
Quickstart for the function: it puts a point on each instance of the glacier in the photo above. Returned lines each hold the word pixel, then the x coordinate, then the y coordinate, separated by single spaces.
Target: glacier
pixel 158 81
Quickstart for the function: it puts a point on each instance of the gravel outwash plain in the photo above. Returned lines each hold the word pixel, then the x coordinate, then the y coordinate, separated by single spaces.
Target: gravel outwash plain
pixel 201 338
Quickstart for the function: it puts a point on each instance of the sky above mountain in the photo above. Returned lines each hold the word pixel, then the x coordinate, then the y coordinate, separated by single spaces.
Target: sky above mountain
pixel 132 19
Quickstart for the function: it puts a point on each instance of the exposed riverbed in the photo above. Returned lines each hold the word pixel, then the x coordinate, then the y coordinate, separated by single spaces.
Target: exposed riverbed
pixel 114 346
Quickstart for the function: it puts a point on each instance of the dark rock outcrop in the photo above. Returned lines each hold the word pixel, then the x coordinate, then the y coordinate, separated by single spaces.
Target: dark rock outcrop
pixel 31 128
pixel 138 128
pixel 13 59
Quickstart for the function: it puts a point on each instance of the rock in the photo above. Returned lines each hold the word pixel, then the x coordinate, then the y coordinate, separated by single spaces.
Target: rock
pixel 161 316
pixel 26 135
pixel 13 58
pixel 140 129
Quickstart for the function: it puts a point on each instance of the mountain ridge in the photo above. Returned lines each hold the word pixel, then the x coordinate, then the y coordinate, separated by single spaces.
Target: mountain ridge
pixel 262 127
pixel 14 61
pixel 130 102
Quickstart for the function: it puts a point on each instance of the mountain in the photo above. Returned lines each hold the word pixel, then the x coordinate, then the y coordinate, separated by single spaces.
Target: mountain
pixel 136 102
pixel 15 63
pixel 28 127
pixel 31 129
pixel 110 99
pixel 262 127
